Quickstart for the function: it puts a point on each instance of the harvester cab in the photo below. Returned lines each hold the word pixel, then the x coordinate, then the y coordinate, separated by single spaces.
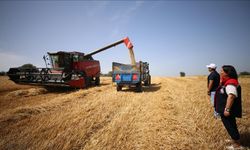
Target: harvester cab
pixel 63 61
pixel 60 60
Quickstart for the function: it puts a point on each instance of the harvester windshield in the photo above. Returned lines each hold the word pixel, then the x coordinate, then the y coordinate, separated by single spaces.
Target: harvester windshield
pixel 54 61
pixel 60 60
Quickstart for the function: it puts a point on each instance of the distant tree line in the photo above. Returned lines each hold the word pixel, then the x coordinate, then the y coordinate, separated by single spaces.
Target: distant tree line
pixel 244 73
pixel 109 74
pixel 183 74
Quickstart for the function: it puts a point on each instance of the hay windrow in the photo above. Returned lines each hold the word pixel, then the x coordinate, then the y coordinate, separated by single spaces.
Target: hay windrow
pixel 26 92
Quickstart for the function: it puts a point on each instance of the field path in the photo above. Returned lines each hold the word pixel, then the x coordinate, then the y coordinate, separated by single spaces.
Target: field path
pixel 174 113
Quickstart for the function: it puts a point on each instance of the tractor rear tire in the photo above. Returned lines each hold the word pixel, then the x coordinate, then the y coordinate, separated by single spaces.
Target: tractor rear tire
pixel 149 80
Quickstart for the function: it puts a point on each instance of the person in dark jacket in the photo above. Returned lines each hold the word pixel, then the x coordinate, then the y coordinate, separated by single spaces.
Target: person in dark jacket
pixel 213 81
pixel 228 103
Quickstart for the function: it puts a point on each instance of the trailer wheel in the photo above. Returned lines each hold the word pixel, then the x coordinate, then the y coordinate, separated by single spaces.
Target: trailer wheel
pixel 97 81
pixel 118 87
pixel 138 87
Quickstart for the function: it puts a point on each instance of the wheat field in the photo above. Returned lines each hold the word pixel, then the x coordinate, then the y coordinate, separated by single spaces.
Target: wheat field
pixel 174 113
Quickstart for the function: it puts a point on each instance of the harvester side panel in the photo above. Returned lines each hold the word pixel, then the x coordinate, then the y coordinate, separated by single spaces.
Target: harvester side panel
pixel 91 68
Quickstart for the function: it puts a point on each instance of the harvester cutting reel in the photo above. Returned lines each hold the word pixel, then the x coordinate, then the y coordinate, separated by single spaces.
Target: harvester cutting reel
pixel 44 74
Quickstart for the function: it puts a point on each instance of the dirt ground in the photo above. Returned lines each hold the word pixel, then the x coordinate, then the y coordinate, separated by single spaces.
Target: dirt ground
pixel 174 113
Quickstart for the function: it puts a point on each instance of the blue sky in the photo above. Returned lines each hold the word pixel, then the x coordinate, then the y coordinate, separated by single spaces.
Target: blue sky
pixel 172 36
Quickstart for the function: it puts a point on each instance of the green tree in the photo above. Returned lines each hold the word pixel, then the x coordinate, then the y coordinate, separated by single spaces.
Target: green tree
pixel 28 66
pixel 182 74
pixel 2 73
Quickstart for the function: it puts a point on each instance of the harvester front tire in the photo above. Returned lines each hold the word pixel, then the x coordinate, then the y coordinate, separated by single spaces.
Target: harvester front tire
pixel 97 81
pixel 87 82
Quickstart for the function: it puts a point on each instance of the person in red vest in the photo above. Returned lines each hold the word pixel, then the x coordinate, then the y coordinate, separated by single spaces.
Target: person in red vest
pixel 228 103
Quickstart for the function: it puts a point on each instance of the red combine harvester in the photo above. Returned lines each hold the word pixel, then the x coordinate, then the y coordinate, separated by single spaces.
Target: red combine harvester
pixel 73 69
